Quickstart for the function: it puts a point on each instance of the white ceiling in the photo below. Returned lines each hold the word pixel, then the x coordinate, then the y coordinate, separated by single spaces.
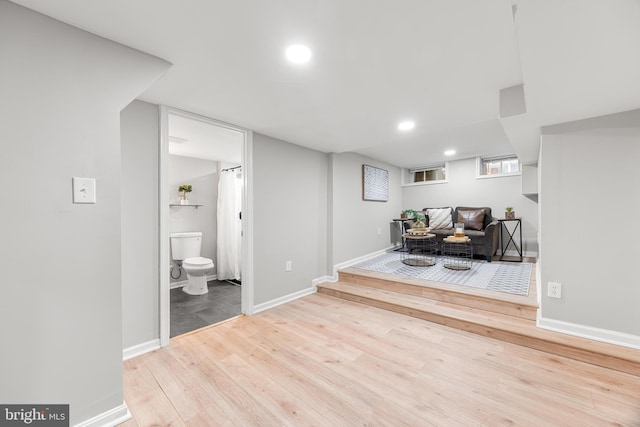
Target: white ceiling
pixel 375 63
pixel 191 137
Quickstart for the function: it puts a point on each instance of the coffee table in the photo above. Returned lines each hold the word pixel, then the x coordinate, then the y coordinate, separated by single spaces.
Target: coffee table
pixel 421 249
pixel 457 253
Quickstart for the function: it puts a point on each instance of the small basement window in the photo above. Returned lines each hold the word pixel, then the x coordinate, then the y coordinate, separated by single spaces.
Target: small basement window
pixel 430 174
pixel 498 166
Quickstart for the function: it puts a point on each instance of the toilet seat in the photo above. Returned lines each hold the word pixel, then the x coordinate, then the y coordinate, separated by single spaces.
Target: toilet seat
pixel 197 262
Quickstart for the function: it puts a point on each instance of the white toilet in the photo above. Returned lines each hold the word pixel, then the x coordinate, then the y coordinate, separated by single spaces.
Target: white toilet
pixel 185 249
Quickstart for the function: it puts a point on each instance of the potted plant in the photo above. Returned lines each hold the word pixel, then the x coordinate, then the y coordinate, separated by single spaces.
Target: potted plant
pixel 510 213
pixel 420 224
pixel 184 189
pixel 408 213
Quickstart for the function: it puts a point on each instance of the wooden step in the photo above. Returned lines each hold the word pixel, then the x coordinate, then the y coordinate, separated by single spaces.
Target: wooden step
pixel 498 302
pixel 495 325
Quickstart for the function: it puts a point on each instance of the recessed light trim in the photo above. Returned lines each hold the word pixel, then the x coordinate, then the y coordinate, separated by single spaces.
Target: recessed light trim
pixel 298 53
pixel 406 125
pixel 450 152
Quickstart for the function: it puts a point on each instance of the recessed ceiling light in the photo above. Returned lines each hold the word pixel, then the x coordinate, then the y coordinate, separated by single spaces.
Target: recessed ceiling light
pixel 408 125
pixel 298 53
pixel 450 152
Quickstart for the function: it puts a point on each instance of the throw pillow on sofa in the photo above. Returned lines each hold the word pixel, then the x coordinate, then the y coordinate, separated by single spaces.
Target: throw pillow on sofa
pixel 473 220
pixel 440 218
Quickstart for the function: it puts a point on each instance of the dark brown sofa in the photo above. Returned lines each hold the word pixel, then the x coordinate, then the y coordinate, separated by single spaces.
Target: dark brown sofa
pixel 484 241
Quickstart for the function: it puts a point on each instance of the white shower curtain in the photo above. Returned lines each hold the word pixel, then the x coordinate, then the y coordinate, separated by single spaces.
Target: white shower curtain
pixel 229 250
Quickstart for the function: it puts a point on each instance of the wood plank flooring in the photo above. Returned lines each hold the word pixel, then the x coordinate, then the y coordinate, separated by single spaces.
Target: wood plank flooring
pixel 498 315
pixel 483 299
pixel 323 361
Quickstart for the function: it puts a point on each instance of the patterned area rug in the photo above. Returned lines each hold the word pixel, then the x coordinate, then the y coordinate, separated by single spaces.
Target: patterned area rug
pixel 498 276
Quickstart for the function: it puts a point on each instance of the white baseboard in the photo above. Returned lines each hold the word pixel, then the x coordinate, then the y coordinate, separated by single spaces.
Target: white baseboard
pixel 137 350
pixel 589 332
pixel 182 283
pixel 528 254
pixel 276 302
pixel 323 279
pixel 110 418
pixel 357 260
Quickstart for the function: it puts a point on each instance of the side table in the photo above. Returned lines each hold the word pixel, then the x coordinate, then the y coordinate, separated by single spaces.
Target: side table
pixel 421 250
pixel 457 253
pixel 512 239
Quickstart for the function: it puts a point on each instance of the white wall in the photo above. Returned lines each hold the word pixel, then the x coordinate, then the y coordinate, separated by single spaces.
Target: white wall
pixel 463 189
pixel 289 217
pixel 589 200
pixel 139 124
pixel 355 222
pixel 203 176
pixel 61 308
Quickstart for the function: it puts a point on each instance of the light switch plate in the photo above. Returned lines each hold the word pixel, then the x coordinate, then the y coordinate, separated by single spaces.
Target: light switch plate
pixel 84 190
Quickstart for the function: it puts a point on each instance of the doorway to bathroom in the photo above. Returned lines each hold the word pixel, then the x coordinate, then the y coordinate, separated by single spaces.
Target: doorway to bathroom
pixel 204 183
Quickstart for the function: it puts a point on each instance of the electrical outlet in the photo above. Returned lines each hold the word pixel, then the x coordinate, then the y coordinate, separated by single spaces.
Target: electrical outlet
pixel 379 231
pixel 554 289
pixel 288 266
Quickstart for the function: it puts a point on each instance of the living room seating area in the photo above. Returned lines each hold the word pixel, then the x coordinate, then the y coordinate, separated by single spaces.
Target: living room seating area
pixel 479 226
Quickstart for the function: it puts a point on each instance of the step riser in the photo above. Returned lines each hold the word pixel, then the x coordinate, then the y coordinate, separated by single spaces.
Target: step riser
pixel 472 301
pixel 496 333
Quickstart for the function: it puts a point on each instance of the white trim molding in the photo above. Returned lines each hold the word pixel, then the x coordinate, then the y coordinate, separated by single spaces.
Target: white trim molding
pixel 164 299
pixel 110 418
pixel 284 299
pixel 163 201
pixel 525 254
pixel 323 279
pixel 349 263
pixel 590 332
pixel 139 349
pixel 180 284
pixel 247 291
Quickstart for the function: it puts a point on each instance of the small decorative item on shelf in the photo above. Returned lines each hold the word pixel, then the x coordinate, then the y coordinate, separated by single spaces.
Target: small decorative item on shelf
pixel 458 229
pixel 184 189
pixel 510 213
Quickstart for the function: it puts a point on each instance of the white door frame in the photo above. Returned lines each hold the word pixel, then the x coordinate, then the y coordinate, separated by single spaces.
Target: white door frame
pixel 163 200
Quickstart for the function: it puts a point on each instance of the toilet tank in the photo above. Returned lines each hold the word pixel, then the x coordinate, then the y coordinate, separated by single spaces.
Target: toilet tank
pixel 185 245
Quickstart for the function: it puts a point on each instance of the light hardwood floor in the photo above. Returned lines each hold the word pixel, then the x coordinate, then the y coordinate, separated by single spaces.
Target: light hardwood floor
pixel 328 362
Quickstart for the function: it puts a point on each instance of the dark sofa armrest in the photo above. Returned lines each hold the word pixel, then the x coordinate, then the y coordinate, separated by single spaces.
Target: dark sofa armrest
pixel 492 225
pixel 492 235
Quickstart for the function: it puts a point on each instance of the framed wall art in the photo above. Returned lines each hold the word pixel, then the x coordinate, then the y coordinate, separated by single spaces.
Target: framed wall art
pixel 375 184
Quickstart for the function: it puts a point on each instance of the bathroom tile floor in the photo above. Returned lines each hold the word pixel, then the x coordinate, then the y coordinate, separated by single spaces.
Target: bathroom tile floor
pixel 190 312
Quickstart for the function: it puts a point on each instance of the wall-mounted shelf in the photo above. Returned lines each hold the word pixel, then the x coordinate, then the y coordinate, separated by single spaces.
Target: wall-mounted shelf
pixel 185 206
